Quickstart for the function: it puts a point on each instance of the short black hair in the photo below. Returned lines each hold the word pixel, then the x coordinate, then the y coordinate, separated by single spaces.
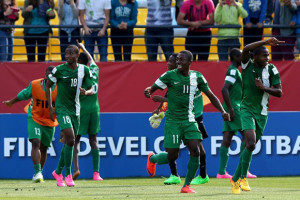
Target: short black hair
pixel 74 47
pixel 174 55
pixel 258 50
pixel 234 52
pixel 83 58
pixel 50 68
pixel 188 54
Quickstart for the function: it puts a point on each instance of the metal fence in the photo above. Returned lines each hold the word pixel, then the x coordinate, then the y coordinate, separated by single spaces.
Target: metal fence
pixel 53 50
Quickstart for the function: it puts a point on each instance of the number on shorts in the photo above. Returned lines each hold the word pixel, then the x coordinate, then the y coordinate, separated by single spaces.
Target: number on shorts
pixel 67 119
pixel 37 131
pixel 175 139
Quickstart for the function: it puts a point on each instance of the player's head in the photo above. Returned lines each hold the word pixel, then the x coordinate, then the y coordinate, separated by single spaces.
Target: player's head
pixel 184 60
pixel 49 70
pixel 236 56
pixel 71 54
pixel 172 62
pixel 83 58
pixel 261 56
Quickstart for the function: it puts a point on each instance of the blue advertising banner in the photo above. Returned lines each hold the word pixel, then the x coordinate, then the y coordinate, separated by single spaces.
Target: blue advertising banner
pixel 127 138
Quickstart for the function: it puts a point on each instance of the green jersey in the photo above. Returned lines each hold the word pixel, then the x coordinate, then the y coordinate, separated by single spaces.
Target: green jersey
pixel 198 103
pixel 181 93
pixel 234 78
pixel 68 83
pixel 90 103
pixel 254 99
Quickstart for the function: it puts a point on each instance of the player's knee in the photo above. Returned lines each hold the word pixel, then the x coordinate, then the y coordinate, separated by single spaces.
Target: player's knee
pixel 195 152
pixel 172 156
pixel 202 154
pixel 226 143
pixel 251 146
pixel 35 143
pixel 93 142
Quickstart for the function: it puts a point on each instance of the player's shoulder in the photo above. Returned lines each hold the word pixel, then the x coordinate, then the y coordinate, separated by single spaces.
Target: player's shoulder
pixel 232 70
pixel 197 73
pixel 273 68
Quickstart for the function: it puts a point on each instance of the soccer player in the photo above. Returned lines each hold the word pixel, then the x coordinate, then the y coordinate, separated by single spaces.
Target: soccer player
pixel 89 116
pixel 39 124
pixel 260 80
pixel 180 123
pixel 198 110
pixel 232 95
pixel 69 78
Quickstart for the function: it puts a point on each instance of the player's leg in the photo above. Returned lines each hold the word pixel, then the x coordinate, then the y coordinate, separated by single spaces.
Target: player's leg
pixel 43 150
pixel 46 139
pixel 173 154
pixel 75 157
pixel 203 177
pixel 93 129
pixel 227 137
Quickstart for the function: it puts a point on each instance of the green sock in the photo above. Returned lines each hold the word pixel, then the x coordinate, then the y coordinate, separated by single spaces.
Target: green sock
pixel 61 162
pixel 68 158
pixel 37 168
pixel 223 159
pixel 160 159
pixel 247 157
pixel 238 171
pixel 192 168
pixel 96 159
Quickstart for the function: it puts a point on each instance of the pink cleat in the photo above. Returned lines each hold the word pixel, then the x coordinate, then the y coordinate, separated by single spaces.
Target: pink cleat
pixel 69 181
pixel 97 177
pixel 59 179
pixel 249 175
pixel 226 175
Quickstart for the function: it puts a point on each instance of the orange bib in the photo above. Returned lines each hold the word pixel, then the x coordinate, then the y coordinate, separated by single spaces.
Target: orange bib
pixel 40 110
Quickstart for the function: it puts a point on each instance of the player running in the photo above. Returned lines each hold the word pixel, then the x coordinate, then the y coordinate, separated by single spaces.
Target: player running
pixel 260 79
pixel 232 95
pixel 198 110
pixel 69 78
pixel 89 116
pixel 180 120
pixel 39 124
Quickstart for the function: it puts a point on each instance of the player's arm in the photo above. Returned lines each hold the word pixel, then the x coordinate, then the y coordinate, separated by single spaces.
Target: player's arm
pixel 81 46
pixel 25 94
pixel 49 98
pixel 275 90
pixel 217 104
pixel 250 47
pixel 225 94
pixel 86 92
pixel 149 91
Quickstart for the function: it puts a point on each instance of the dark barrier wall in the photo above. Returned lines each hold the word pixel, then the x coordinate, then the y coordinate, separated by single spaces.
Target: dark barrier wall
pixel 127 138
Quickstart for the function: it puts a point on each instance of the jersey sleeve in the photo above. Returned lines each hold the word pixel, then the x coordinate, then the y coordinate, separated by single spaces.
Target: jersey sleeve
pixel 88 80
pixel 274 76
pixel 163 81
pixel 94 70
pixel 25 93
pixel 202 84
pixel 53 76
pixel 231 76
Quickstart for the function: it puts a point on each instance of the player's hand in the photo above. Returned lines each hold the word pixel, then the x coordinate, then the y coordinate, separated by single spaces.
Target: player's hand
pixel 226 116
pixel 274 42
pixel 259 84
pixel 52 113
pixel 82 91
pixel 157 98
pixel 8 103
pixel 80 45
pixel 147 92
pixel 249 25
pixel 231 113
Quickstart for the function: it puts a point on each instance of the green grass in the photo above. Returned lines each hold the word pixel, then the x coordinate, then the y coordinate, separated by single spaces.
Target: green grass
pixel 282 188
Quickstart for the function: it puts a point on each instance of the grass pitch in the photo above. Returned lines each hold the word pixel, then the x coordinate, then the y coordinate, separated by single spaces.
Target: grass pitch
pixel 283 188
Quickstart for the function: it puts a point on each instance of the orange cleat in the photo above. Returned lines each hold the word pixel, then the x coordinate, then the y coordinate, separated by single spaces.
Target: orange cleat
pixel 150 165
pixel 187 189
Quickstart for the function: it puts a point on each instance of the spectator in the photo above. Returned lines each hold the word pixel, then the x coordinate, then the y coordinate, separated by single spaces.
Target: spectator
pixel 256 10
pixel 159 14
pixel 123 19
pixel 269 12
pixel 9 13
pixel 284 11
pixel 296 19
pixel 197 13
pixel 97 13
pixel 177 7
pixel 228 13
pixel 68 15
pixel 39 14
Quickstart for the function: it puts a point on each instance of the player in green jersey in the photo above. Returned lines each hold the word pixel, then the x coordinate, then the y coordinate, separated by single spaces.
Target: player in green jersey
pixel 180 119
pixel 198 111
pixel 260 79
pixel 232 95
pixel 69 78
pixel 89 116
